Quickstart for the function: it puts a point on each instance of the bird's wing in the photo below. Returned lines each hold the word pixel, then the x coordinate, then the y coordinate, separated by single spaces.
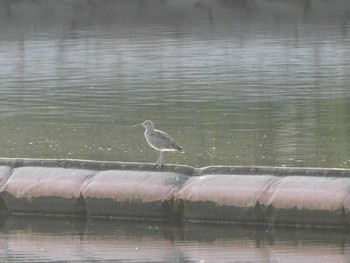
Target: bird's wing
pixel 164 140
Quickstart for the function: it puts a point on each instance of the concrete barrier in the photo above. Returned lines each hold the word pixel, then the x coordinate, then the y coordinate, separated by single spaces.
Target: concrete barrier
pixel 5 172
pixel 236 194
pixel 116 193
pixel 224 197
pixel 45 190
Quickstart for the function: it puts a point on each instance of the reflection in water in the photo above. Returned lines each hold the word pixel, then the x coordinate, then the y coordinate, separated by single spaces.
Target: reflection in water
pixel 234 82
pixel 237 82
pixel 26 239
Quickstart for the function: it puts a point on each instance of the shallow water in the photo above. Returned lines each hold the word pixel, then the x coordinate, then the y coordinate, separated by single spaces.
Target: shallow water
pixel 235 83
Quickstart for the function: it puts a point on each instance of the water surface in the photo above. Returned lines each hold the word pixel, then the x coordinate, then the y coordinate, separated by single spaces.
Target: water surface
pixel 26 239
pixel 235 83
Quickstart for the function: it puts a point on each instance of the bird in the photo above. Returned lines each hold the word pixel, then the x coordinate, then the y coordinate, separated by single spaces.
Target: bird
pixel 159 140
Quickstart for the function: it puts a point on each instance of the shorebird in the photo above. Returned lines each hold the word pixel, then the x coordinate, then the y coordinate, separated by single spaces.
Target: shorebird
pixel 159 140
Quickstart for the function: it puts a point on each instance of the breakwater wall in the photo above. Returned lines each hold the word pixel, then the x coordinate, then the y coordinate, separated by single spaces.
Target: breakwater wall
pixel 231 194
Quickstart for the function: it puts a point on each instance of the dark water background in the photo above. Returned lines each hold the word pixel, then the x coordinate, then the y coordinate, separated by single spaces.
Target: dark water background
pixel 25 239
pixel 235 82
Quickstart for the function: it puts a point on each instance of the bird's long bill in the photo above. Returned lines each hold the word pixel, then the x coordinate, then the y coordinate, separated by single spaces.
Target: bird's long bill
pixel 136 125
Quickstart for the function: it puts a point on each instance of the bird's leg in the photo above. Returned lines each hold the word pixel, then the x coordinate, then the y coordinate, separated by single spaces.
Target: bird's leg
pixel 159 162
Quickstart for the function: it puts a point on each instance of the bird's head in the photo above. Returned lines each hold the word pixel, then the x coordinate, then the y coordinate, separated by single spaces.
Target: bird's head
pixel 146 124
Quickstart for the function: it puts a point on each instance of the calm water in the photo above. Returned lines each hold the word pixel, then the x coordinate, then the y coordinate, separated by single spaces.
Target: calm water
pixel 234 82
pixel 73 240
